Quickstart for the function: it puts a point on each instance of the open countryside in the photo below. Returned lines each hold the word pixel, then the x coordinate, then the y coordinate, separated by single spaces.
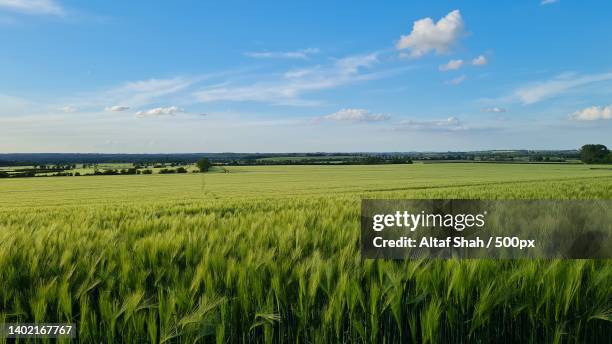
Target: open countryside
pixel 271 254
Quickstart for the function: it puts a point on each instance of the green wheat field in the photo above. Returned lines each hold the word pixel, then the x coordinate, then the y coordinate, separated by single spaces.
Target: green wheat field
pixel 271 254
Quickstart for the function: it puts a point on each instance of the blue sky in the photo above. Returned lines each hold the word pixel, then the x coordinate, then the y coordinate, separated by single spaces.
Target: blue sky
pixel 245 76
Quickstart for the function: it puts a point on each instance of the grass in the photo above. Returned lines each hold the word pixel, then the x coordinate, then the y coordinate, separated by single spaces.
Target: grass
pixel 270 254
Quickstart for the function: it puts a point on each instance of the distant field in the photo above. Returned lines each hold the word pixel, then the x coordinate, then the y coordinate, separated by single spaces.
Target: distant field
pixel 271 254
pixel 307 158
pixel 285 181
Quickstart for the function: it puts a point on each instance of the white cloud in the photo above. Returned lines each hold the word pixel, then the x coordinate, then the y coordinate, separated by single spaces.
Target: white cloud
pixel 456 81
pixel 494 109
pixel 428 36
pixel 68 109
pixel 451 65
pixel 539 91
pixel 593 113
pixel 548 2
pixel 480 61
pixel 355 115
pixel 303 54
pixel 117 108
pixel 47 7
pixel 160 111
pixel 288 89
pixel 449 124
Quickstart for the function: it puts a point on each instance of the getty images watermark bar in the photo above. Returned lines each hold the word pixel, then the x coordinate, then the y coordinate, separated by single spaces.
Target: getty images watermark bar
pixel 572 229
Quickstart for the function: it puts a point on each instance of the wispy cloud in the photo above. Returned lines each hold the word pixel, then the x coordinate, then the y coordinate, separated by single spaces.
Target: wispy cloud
pixel 41 7
pixel 68 109
pixel 302 54
pixel 494 109
pixel 117 108
pixel 538 91
pixel 427 36
pixel 352 64
pixel 548 2
pixel 287 89
pixel 456 81
pixel 124 96
pixel 144 92
pixel 451 65
pixel 354 115
pixel 448 124
pixel 160 111
pixel 593 113
pixel 299 73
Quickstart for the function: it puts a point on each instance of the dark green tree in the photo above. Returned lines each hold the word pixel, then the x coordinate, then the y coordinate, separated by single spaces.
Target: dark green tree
pixel 594 154
pixel 204 164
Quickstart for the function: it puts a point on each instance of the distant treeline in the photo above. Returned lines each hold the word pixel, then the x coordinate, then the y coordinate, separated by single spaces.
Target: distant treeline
pixel 21 159
pixel 58 164
pixel 35 172
pixel 344 160
pixel 35 159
